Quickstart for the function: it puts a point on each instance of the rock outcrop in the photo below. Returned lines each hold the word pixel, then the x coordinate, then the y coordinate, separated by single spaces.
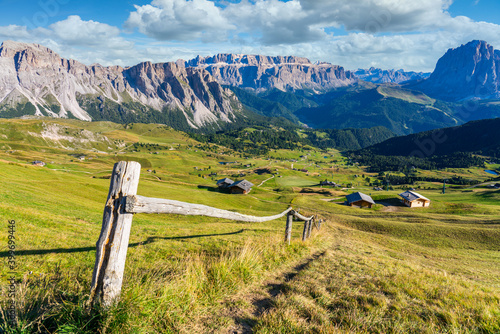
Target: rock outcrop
pixel 264 72
pixel 471 71
pixel 33 74
pixel 377 75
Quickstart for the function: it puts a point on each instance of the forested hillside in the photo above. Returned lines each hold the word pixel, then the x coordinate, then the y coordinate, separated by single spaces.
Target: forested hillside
pixel 261 139
pixel 458 147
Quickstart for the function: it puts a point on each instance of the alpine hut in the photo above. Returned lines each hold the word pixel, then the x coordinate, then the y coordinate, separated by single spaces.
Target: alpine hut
pixel 224 183
pixel 241 187
pixel 414 200
pixel 359 200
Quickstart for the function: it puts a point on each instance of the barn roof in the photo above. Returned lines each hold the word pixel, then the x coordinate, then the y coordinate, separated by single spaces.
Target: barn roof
pixel 412 196
pixel 225 180
pixel 356 197
pixel 243 184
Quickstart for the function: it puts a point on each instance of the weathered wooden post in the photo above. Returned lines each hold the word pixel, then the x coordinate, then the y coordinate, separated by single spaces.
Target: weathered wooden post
pixel 113 241
pixel 288 229
pixel 319 224
pixel 306 228
pixel 309 228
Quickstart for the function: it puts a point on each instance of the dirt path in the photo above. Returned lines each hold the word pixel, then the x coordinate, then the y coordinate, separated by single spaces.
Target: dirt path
pixel 482 184
pixel 272 177
pixel 261 298
pixel 330 199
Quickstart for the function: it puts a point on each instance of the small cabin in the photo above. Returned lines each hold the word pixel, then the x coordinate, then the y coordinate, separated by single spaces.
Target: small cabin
pixel 38 163
pixel 241 187
pixel 414 200
pixel 359 200
pixel 224 183
pixel 329 183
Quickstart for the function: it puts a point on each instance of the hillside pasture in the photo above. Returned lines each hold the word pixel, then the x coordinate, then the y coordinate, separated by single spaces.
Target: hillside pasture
pixel 432 270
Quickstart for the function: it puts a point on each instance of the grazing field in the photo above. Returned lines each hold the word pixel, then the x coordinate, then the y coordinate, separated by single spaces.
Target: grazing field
pixel 389 269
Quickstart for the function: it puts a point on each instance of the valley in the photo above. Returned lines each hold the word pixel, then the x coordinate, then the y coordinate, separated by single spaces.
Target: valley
pixel 389 268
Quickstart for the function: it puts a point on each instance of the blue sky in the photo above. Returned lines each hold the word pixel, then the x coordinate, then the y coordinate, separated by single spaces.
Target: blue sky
pixel 405 34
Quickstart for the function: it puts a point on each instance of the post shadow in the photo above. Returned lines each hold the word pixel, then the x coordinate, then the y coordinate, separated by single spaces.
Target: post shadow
pixel 93 248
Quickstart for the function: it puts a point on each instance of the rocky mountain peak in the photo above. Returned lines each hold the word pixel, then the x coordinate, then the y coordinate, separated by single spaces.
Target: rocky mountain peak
pixel 266 72
pixel 469 71
pixel 10 48
pixel 27 55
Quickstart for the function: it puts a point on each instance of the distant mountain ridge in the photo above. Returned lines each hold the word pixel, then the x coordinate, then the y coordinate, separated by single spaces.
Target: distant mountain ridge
pixel 377 75
pixel 401 111
pixel 227 91
pixel 265 72
pixel 35 80
pixel 471 71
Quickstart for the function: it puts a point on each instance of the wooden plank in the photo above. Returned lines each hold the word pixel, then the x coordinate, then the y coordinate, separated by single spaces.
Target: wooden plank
pixel 141 204
pixel 288 229
pixel 115 232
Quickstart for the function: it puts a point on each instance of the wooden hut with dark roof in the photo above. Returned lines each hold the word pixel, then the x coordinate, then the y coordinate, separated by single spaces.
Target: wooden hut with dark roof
pixel 241 187
pixel 359 200
pixel 224 183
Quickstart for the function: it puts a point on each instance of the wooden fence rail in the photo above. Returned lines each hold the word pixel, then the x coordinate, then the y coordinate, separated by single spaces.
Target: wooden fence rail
pixel 123 202
pixel 141 204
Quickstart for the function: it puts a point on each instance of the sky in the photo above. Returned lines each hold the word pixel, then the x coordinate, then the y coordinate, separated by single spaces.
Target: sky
pixel 388 34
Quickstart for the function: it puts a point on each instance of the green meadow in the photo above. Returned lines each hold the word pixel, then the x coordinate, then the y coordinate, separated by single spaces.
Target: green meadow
pixel 388 269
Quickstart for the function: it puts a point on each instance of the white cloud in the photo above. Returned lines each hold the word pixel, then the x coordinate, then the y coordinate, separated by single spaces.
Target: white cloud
pixel 86 41
pixel 14 32
pixel 382 33
pixel 274 22
pixel 180 20
pixel 75 31
pixel 374 16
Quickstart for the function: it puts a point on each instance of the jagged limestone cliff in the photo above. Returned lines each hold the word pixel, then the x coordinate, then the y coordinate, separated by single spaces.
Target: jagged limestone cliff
pixel 36 80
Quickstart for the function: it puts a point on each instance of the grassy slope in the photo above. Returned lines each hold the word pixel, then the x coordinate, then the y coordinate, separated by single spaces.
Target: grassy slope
pixel 400 110
pixel 422 271
pixel 405 271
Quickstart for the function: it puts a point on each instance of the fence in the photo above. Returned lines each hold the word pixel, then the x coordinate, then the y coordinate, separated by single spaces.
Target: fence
pixel 123 202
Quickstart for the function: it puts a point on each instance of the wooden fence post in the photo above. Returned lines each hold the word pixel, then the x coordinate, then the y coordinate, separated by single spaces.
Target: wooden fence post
pixel 306 228
pixel 319 224
pixel 288 229
pixel 309 228
pixel 113 242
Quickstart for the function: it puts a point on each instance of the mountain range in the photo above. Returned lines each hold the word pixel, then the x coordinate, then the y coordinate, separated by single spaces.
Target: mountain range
pixel 210 93
pixel 378 75
pixel 35 80
pixel 263 72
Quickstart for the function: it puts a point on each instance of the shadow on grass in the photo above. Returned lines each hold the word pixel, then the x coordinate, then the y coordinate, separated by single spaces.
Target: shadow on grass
pixel 390 202
pixel 135 244
pixel 209 188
